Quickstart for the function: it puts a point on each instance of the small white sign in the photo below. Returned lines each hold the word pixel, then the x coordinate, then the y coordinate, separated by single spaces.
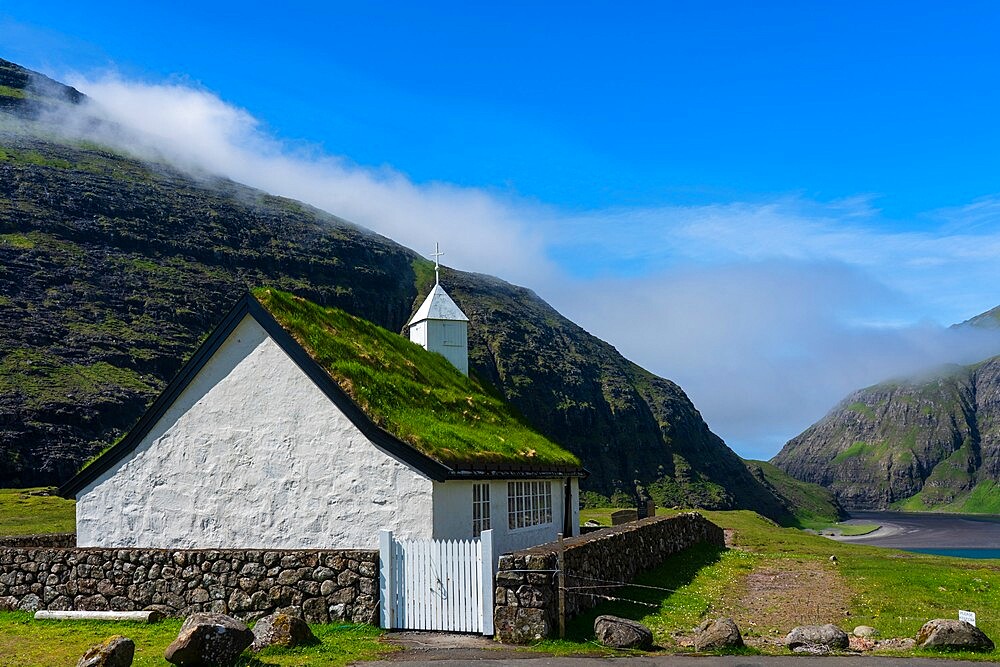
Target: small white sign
pixel 967 616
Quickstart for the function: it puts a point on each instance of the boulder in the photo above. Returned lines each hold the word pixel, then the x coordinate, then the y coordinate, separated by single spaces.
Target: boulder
pixel 115 651
pixel 619 632
pixel 209 640
pixel 865 631
pixel 951 634
pixel 720 633
pixel 281 629
pixel 829 636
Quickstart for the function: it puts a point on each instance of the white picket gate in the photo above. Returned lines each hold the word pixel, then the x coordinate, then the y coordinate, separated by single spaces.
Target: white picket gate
pixel 436 584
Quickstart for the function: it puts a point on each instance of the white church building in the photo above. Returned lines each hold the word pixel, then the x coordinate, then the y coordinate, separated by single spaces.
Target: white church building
pixel 255 444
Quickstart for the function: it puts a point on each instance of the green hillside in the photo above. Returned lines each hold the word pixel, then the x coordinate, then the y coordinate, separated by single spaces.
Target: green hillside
pixel 925 444
pixel 983 498
pixel 810 504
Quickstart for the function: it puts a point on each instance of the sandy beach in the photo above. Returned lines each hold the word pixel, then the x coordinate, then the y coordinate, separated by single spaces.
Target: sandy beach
pixel 927 531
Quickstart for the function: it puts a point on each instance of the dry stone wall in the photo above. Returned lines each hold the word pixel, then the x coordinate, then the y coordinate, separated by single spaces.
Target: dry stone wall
pixel 322 585
pixel 59 540
pixel 527 601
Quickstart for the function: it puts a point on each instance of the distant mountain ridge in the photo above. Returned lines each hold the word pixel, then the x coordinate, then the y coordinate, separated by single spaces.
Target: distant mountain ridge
pixel 988 320
pixel 926 443
pixel 112 269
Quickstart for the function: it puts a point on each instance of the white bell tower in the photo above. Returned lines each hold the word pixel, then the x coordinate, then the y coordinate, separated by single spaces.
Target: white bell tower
pixel 439 325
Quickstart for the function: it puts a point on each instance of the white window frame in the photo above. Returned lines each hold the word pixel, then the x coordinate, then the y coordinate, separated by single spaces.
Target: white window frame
pixel 529 504
pixel 480 508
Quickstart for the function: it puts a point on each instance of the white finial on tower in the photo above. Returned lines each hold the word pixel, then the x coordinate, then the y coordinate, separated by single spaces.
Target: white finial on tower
pixel 437 265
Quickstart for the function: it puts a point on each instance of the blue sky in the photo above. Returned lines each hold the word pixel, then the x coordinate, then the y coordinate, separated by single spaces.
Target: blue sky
pixel 771 203
pixel 588 104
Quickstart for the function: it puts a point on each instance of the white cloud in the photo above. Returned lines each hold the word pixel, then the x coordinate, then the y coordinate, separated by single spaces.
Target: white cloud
pixel 764 349
pixel 766 313
pixel 195 129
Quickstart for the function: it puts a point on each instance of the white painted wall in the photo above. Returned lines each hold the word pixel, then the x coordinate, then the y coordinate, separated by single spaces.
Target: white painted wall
pixel 453 514
pixel 418 334
pixel 254 455
pixel 575 508
pixel 447 337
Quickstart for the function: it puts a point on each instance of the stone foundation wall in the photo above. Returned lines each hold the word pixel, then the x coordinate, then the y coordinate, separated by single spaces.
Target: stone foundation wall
pixel 249 584
pixel 56 540
pixel 527 601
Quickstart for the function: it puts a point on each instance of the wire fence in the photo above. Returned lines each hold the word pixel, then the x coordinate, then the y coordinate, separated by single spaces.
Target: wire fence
pixel 808 610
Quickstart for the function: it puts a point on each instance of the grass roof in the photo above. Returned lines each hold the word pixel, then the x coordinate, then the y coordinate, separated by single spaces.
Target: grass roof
pixel 416 395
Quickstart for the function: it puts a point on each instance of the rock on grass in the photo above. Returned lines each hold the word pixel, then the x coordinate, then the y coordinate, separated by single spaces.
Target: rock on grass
pixel 720 633
pixel 619 632
pixel 281 629
pixel 209 640
pixel 951 634
pixel 828 636
pixel 115 651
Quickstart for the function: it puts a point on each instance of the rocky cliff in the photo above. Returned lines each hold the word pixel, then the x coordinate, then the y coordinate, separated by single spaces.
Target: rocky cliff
pixel 924 443
pixel 113 269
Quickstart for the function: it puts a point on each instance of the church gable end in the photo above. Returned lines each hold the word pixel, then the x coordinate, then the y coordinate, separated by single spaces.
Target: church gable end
pixel 252 454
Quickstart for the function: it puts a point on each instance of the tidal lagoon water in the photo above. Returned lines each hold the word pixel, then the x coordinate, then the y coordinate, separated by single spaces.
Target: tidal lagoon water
pixel 961 535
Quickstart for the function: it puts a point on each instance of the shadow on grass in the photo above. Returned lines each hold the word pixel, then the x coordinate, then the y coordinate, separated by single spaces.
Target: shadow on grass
pixel 634 601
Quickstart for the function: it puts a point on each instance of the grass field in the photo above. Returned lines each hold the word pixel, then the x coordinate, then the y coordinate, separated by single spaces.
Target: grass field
pixel 893 591
pixel 855 529
pixel 26 642
pixel 29 643
pixel 601 515
pixel 23 512
pixel 847 529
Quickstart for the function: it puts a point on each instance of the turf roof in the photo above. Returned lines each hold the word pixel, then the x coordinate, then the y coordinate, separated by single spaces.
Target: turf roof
pixel 415 395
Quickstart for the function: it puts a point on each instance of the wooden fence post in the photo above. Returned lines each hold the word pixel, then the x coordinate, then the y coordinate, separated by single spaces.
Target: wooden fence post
pixel 387 598
pixel 486 544
pixel 562 589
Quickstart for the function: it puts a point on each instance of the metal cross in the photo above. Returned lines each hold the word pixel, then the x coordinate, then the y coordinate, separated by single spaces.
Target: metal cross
pixel 437 265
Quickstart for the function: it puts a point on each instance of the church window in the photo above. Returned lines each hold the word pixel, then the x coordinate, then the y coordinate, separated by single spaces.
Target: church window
pixel 528 504
pixel 480 508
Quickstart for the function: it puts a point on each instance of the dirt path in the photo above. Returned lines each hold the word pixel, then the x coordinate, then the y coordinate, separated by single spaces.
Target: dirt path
pixel 774 599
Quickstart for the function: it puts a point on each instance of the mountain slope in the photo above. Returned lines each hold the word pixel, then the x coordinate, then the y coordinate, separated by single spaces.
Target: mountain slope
pixel 112 269
pixel 988 320
pixel 933 440
pixel 812 505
